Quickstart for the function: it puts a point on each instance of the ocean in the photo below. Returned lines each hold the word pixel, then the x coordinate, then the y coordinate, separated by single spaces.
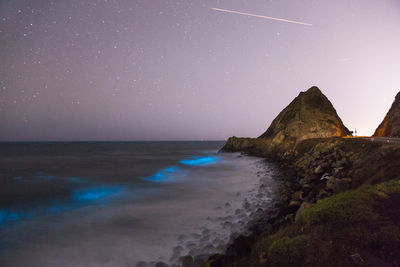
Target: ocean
pixel 126 203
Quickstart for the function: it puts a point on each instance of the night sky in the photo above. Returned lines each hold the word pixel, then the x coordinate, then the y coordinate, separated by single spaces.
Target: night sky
pixel 178 70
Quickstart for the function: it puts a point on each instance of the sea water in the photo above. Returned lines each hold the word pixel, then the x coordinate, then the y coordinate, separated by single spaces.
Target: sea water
pixel 125 203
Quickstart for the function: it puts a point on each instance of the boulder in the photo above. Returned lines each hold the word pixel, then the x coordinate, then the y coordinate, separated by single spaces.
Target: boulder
pixel 318 170
pixel 298 195
pixel 187 261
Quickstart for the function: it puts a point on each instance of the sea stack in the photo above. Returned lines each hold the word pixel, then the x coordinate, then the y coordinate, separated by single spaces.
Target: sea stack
pixel 390 126
pixel 309 115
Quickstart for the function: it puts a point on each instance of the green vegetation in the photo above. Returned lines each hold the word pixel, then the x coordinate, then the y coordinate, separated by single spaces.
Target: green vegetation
pixel 360 226
pixel 353 226
pixel 348 207
pixel 287 251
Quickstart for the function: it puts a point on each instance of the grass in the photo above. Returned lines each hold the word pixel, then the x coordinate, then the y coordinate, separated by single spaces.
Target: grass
pixel 332 231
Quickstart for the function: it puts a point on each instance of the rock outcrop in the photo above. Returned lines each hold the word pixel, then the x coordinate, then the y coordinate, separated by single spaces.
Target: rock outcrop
pixel 390 126
pixel 254 146
pixel 309 115
pixel 339 196
pixel 339 207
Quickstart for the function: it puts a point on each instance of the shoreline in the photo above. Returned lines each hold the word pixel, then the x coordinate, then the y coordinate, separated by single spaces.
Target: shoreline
pixel 317 172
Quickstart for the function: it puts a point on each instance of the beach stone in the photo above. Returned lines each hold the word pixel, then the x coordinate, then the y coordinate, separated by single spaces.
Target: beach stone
pixel 337 171
pixel 340 163
pixel 306 187
pixel 326 165
pixel 316 155
pixel 161 264
pixel 318 170
pixel 298 195
pixel 187 261
pixel 305 180
pixel 200 259
pixel 294 204
pixel 325 176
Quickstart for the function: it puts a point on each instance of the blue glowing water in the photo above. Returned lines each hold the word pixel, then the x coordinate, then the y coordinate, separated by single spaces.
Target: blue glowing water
pixel 116 203
pixel 96 193
pixel 80 197
pixel 200 161
pixel 165 175
pixel 56 183
pixel 6 216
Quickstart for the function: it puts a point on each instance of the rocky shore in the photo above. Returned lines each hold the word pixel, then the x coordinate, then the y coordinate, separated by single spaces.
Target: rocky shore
pixel 340 197
pixel 335 197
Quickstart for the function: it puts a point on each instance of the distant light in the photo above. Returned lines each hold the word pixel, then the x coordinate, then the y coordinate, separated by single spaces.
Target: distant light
pixel 200 161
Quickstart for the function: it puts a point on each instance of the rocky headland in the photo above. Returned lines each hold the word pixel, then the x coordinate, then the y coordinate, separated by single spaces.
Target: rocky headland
pixel 340 197
pixel 309 115
pixel 390 126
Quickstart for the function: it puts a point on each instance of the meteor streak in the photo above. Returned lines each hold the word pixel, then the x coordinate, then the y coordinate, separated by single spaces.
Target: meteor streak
pixel 260 16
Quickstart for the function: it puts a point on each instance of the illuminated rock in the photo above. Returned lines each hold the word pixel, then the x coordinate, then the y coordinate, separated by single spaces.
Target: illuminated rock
pixel 390 126
pixel 309 115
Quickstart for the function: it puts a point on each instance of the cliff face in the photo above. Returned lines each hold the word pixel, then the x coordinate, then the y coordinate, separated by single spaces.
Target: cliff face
pixel 309 115
pixel 390 126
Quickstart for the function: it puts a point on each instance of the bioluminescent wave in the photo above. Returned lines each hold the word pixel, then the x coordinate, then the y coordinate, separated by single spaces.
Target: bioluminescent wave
pixel 172 173
pixel 165 175
pixel 200 161
pixel 96 193
pixel 130 204
pixel 79 198
pixel 7 216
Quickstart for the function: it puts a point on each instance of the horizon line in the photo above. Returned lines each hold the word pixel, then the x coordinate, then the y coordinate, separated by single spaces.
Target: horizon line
pixel 105 141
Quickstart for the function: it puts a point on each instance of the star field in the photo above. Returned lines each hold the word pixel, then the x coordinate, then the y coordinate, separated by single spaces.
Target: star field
pixel 177 70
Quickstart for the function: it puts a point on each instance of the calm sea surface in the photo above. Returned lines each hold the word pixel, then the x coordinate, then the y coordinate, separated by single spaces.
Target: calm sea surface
pixel 125 203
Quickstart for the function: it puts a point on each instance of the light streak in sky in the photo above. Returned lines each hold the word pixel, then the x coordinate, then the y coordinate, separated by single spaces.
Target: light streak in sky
pixel 261 16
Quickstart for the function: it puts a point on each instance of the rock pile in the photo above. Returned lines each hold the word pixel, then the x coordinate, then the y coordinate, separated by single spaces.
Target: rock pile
pixel 323 171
